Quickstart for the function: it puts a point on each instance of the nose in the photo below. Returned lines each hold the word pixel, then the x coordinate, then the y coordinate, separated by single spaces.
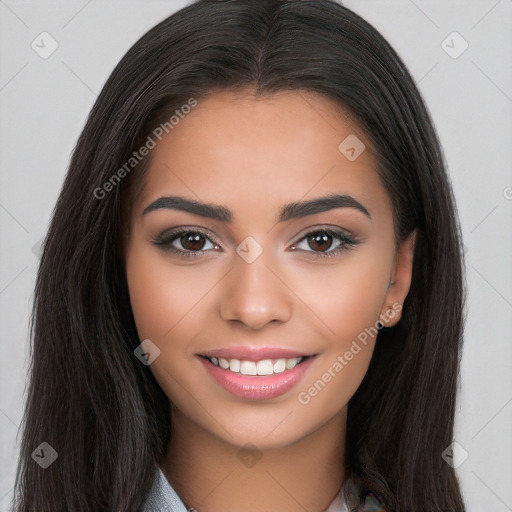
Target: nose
pixel 254 295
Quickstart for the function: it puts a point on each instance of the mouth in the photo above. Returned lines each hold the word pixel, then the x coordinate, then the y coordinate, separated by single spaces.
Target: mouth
pixel 257 379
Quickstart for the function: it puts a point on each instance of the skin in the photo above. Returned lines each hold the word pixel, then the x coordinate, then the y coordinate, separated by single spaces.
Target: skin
pixel 253 156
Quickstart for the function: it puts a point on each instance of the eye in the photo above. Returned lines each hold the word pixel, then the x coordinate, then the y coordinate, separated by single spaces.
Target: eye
pixel 185 242
pixel 324 242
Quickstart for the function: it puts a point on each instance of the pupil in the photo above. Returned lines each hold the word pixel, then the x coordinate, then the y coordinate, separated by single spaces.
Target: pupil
pixel 322 241
pixel 192 242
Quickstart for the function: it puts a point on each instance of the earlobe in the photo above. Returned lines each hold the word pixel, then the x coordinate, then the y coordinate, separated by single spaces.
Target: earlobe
pixel 400 282
pixel 390 315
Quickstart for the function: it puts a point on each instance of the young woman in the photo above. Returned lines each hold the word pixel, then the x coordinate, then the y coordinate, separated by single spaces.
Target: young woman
pixel 250 296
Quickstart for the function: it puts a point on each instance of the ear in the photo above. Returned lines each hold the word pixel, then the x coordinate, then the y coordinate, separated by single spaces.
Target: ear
pixel 399 283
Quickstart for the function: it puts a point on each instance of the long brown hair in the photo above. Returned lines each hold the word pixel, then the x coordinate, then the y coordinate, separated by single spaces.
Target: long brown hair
pixel 92 400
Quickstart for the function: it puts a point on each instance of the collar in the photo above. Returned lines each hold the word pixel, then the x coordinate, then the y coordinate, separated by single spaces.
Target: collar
pixel 163 498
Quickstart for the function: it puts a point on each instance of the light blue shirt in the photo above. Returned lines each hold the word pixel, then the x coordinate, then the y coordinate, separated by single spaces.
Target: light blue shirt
pixel 163 498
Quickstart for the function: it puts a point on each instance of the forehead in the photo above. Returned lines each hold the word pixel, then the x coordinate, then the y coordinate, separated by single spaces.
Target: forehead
pixel 239 149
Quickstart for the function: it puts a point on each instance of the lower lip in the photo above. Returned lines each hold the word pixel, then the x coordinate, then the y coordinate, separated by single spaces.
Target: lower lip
pixel 257 386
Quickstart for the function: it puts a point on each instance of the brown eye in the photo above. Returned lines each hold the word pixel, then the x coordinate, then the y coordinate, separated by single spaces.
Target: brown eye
pixel 185 242
pixel 192 241
pixel 320 241
pixel 325 242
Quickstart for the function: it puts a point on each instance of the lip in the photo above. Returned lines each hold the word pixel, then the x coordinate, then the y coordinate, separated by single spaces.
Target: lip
pixel 247 353
pixel 257 387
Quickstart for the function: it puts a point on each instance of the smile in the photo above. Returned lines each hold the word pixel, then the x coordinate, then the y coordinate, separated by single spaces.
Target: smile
pixel 260 380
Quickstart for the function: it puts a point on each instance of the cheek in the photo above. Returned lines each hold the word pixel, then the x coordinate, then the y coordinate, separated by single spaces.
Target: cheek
pixel 163 295
pixel 343 298
pixel 348 303
pixel 342 302
pixel 167 302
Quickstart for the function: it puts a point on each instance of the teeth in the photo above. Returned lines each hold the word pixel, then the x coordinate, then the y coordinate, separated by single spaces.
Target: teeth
pixel 280 366
pixel 248 368
pixel 292 363
pixel 234 365
pixel 263 367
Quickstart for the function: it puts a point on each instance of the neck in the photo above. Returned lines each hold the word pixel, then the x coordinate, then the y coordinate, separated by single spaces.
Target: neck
pixel 211 475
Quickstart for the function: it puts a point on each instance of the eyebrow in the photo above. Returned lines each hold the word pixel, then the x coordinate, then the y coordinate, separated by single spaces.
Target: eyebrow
pixel 290 211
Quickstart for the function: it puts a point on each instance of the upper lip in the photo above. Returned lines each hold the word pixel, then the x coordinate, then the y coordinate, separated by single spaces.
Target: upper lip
pixel 247 353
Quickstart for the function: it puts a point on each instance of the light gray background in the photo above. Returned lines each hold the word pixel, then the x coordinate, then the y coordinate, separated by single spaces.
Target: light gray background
pixel 44 104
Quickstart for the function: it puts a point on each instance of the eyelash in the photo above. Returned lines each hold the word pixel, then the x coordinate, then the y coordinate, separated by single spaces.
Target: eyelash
pixel 166 239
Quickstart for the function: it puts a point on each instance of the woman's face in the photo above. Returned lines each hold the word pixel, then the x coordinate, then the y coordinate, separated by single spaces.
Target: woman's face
pixel 246 264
